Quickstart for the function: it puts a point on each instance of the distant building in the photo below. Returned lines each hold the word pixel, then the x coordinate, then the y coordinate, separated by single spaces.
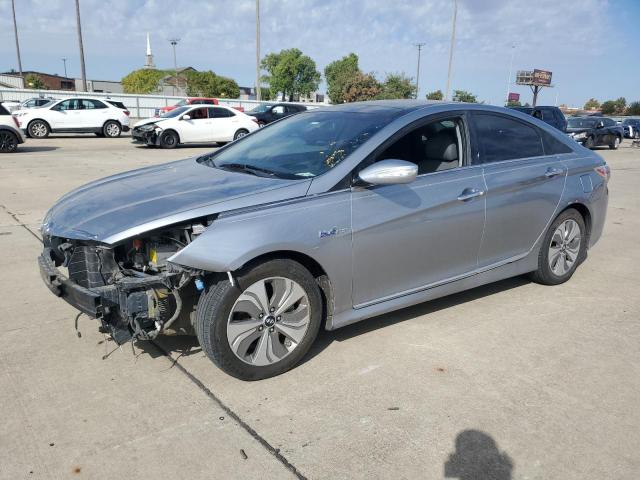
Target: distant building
pixel 176 85
pixel 51 82
pixel 106 86
pixel 11 80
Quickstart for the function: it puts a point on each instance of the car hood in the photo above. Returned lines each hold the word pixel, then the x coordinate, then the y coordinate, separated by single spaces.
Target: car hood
pixel 147 121
pixel 131 203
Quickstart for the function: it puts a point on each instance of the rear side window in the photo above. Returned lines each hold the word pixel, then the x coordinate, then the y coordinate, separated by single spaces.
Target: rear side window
pixel 500 138
pixel 89 104
pixel 553 146
pixel 216 112
pixel 609 123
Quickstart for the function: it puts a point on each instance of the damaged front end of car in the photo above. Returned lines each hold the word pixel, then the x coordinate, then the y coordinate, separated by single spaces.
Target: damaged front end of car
pixel 131 287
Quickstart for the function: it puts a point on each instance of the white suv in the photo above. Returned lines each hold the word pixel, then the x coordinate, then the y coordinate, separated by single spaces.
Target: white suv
pixel 10 133
pixel 77 115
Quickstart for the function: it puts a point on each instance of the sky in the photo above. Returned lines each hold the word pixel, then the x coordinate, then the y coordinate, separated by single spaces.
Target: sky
pixel 587 44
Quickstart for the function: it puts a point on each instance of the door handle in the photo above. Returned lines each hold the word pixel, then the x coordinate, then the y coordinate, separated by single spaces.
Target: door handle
pixel 553 172
pixel 469 193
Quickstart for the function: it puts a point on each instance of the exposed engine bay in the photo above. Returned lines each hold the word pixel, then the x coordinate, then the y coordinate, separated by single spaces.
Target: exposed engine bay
pixel 131 287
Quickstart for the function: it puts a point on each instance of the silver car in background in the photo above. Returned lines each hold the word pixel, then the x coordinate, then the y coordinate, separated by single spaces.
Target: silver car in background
pixel 325 218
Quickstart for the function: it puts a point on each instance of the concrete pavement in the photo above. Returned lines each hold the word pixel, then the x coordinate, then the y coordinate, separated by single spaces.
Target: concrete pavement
pixel 515 379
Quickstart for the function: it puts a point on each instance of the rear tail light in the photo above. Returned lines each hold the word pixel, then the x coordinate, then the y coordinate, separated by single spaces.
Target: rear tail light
pixel 127 113
pixel 15 120
pixel 604 171
pixel 254 119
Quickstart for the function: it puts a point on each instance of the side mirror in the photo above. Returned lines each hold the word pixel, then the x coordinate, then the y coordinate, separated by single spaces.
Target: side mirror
pixel 389 172
pixel 600 125
pixel 186 117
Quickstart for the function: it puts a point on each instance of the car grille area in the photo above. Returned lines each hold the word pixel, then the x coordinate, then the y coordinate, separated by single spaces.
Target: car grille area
pixel 92 267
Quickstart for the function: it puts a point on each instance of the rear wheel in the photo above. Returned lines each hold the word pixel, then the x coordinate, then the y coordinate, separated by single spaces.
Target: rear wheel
pixel 589 143
pixel 111 129
pixel 615 144
pixel 636 134
pixel 563 248
pixel 241 133
pixel 169 139
pixel 263 325
pixel 38 129
pixel 8 141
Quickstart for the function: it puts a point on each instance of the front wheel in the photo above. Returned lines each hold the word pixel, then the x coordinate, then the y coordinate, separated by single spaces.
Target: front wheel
pixel 264 324
pixel 8 141
pixel 636 134
pixel 240 133
pixel 615 144
pixel 38 129
pixel 563 248
pixel 169 139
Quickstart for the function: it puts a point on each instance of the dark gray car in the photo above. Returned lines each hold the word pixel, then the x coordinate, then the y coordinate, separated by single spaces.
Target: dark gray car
pixel 325 218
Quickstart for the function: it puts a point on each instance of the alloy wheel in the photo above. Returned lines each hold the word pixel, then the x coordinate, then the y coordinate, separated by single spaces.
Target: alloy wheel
pixel 565 247
pixel 38 129
pixel 268 321
pixel 8 142
pixel 112 130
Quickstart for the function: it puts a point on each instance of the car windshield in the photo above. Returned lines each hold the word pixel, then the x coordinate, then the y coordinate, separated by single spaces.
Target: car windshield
pixel 302 146
pixel 47 104
pixel 261 108
pixel 176 112
pixel 181 103
pixel 581 123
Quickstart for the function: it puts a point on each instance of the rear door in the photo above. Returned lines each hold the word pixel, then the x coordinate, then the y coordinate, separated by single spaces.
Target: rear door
pixel 223 124
pixel 524 186
pixel 93 113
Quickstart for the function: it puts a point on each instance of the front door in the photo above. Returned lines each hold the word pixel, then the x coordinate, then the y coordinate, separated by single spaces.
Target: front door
pixel 197 127
pixel 413 236
pixel 524 186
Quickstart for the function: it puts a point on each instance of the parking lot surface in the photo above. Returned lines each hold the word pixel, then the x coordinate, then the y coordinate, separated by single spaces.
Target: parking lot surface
pixel 510 380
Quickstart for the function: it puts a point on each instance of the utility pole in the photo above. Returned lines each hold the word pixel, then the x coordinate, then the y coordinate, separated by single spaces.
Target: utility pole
pixel 453 42
pixel 174 42
pixel 513 50
pixel 83 73
pixel 419 45
pixel 258 88
pixel 64 61
pixel 15 32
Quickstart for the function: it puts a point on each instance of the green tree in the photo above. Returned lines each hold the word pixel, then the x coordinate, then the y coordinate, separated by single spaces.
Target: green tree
pixel 361 87
pixel 34 81
pixel 621 105
pixel 208 84
pixel 435 95
pixel 634 108
pixel 464 96
pixel 397 85
pixel 338 73
pixel 145 80
pixel 513 103
pixel 608 107
pixel 592 104
pixel 291 73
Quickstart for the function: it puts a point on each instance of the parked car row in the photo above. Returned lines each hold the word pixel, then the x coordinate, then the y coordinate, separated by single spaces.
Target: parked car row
pixel 595 131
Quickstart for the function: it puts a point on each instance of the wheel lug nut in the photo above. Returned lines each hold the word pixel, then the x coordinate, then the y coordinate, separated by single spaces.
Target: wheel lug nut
pixel 272 309
pixel 261 315
pixel 260 328
pixel 271 329
pixel 278 318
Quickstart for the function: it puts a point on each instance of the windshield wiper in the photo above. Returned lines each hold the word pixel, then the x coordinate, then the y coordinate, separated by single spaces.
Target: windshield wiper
pixel 243 167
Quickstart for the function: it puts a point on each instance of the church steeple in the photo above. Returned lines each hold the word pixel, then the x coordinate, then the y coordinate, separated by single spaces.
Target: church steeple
pixel 149 62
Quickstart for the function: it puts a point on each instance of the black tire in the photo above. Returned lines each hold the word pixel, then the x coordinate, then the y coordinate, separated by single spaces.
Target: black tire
pixel 111 129
pixel 38 129
pixel 589 143
pixel 636 134
pixel 544 274
pixel 169 139
pixel 615 143
pixel 240 133
pixel 215 306
pixel 8 141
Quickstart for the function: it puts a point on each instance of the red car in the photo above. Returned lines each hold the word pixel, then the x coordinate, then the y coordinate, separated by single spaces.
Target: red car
pixel 187 101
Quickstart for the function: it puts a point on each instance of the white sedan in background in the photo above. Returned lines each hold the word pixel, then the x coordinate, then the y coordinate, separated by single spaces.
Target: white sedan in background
pixel 194 124
pixel 74 115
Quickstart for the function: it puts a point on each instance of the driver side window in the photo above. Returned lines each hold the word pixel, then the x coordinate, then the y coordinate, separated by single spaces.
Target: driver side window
pixel 278 110
pixel 433 147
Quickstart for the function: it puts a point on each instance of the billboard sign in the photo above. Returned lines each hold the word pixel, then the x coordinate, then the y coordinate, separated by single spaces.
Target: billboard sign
pixel 514 97
pixel 541 77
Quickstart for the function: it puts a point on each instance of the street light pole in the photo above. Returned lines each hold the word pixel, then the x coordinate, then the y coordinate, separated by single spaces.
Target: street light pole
pixel 15 32
pixel 174 42
pixel 453 42
pixel 258 88
pixel 419 45
pixel 64 61
pixel 83 73
pixel 513 50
